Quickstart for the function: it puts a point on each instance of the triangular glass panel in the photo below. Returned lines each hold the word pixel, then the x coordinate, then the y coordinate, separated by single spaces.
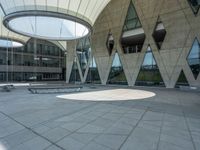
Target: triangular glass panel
pixel 110 43
pixel 133 36
pixel 75 76
pixel 195 5
pixel 117 75
pixel 93 73
pixel 182 80
pixel 193 58
pixel 149 74
pixel 159 33
pixel 83 52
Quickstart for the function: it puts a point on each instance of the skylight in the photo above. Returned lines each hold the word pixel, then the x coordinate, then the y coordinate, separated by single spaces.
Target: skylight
pixel 46 27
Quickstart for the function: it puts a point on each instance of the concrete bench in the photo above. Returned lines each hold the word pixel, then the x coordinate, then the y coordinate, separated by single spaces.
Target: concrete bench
pixel 189 88
pixel 7 88
pixel 49 90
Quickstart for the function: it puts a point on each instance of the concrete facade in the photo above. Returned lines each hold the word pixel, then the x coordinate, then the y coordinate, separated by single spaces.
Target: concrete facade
pixel 181 25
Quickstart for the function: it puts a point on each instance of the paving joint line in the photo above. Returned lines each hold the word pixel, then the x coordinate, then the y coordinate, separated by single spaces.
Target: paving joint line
pixel 192 140
pixel 161 128
pixel 32 131
pixel 133 128
pixel 75 131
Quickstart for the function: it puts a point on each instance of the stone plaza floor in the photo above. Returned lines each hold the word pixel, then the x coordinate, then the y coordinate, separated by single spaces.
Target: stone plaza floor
pixel 160 119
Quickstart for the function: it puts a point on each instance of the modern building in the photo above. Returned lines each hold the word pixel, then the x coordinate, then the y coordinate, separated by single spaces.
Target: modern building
pixel 129 42
pixel 124 74
pixel 38 60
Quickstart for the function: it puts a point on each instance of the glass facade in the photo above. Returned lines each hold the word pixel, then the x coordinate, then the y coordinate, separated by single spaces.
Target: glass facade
pixel 75 76
pixel 195 5
pixel 194 58
pixel 149 74
pixel 132 20
pixel 117 75
pixel 33 62
pixel 182 80
pixel 83 51
pixel 93 73
pixel 133 36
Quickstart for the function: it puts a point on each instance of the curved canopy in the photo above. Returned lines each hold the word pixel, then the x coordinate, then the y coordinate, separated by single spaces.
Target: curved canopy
pixel 8 38
pixel 80 15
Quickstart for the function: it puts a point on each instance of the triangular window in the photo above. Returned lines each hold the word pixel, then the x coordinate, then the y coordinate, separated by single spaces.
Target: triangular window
pixel 83 50
pixel 133 36
pixel 195 5
pixel 117 75
pixel 93 73
pixel 193 58
pixel 75 76
pixel 149 74
pixel 182 80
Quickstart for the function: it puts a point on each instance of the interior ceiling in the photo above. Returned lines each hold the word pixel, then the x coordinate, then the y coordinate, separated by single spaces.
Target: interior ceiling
pixel 87 10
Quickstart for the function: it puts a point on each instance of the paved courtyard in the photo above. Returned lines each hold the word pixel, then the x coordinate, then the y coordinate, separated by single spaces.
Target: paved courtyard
pixel 164 120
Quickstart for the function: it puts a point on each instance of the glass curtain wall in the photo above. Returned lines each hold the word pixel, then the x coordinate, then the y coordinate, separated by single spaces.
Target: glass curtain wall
pixel 83 50
pixel 24 63
pixel 149 74
pixel 182 80
pixel 75 76
pixel 117 75
pixel 93 73
pixel 133 36
pixel 194 58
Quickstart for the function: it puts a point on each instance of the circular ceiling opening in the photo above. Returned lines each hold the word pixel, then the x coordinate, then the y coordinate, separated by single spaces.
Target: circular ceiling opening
pixel 47 25
pixel 7 43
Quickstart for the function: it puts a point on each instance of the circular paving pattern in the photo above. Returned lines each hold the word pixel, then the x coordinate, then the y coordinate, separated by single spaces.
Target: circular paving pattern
pixel 109 95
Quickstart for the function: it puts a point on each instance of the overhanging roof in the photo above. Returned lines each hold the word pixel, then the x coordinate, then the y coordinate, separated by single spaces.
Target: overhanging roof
pixel 87 10
pixel 5 34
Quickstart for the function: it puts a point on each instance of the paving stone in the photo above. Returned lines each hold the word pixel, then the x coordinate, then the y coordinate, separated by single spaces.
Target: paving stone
pixel 101 122
pixel 181 142
pixel 111 141
pixel 148 126
pixel 19 137
pixel 90 121
pixel 119 128
pixel 53 147
pixel 168 146
pixel 72 126
pixel 83 137
pixel 112 116
pixel 95 146
pixel 142 139
pixel 56 134
pixel 33 144
pixel 40 128
pixel 179 133
pixel 139 143
pixel 70 144
pixel 91 129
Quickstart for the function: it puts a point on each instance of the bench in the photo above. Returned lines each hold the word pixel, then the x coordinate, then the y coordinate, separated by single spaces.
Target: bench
pixel 189 88
pixel 49 90
pixel 7 88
